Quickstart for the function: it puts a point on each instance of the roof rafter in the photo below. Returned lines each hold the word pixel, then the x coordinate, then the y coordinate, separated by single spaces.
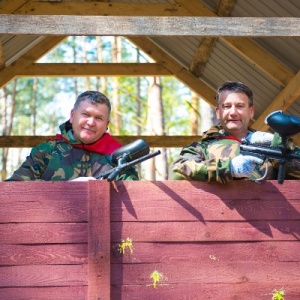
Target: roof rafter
pixel 32 55
pixel 207 44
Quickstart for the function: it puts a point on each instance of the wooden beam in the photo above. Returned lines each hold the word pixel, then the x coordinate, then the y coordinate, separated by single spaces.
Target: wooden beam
pixel 181 73
pixel 96 8
pixel 285 98
pixel 95 69
pixel 2 62
pixel 11 71
pixel 153 141
pixel 99 246
pixel 9 7
pixel 225 7
pixel 202 55
pixel 195 7
pixel 207 44
pixel 148 26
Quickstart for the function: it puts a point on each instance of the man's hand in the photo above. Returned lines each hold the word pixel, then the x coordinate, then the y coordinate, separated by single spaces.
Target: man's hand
pixel 83 179
pixel 260 137
pixel 244 165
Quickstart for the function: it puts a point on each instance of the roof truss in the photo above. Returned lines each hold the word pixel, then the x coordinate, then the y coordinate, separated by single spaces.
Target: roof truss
pixel 194 23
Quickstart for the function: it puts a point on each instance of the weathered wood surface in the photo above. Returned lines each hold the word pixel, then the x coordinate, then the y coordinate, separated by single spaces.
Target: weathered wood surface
pixel 153 141
pixel 148 26
pixel 208 241
pixel 62 240
pixel 47 244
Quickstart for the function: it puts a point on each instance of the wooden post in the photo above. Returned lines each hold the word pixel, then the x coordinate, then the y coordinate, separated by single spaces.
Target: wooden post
pixel 99 240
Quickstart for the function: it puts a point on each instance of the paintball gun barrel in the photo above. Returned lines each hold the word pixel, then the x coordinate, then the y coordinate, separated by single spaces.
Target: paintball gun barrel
pixel 286 126
pixel 127 156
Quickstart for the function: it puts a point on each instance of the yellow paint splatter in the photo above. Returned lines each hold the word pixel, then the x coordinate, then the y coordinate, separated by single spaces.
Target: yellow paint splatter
pixel 278 295
pixel 156 276
pixel 126 244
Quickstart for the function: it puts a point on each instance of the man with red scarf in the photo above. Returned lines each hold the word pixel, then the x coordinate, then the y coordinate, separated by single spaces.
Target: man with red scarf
pixel 83 149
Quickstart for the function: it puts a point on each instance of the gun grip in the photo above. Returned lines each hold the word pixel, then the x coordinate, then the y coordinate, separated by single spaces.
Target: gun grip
pixel 281 172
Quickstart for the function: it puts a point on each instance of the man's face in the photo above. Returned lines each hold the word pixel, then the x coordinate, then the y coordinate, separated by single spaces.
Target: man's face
pixel 234 113
pixel 89 121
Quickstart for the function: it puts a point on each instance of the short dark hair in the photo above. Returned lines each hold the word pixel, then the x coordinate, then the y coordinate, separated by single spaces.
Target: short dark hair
pixel 235 87
pixel 93 97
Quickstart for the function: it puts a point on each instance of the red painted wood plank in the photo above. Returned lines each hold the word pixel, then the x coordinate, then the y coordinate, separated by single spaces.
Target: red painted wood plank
pixel 167 209
pixel 40 233
pixel 186 190
pixel 43 275
pixel 43 254
pixel 198 201
pixel 201 291
pixel 99 240
pixel 206 231
pixel 182 252
pixel 207 271
pixel 43 202
pixel 44 293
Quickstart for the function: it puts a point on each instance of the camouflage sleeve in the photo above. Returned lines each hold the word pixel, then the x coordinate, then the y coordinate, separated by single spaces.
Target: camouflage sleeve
pixel 205 161
pixel 34 165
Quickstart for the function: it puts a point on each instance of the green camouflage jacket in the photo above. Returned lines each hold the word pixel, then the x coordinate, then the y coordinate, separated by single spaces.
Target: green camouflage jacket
pixel 56 160
pixel 209 160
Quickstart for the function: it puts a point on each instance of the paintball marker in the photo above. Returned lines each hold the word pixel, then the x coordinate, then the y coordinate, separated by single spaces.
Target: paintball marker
pixel 127 156
pixel 285 126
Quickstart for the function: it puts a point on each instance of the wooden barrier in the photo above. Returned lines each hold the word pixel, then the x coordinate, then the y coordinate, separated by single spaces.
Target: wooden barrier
pixel 149 240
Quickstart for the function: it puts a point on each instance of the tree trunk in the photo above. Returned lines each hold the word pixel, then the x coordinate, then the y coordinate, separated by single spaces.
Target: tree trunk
pixel 116 51
pixel 157 168
pixel 208 116
pixel 101 82
pixel 85 60
pixel 7 119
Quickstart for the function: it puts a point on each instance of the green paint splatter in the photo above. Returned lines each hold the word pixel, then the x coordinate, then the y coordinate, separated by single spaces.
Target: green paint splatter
pixel 126 244
pixel 156 276
pixel 278 295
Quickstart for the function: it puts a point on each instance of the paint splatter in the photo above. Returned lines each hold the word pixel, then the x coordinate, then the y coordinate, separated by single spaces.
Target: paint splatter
pixel 126 244
pixel 278 294
pixel 156 277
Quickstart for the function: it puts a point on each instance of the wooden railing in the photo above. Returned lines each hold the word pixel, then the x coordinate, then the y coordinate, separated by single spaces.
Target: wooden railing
pixel 153 141
pixel 149 240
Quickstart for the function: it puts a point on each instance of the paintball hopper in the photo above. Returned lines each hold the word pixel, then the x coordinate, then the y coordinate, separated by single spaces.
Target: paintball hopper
pixel 285 125
pixel 130 152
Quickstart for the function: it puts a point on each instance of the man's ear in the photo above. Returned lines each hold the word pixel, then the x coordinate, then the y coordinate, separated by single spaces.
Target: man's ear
pixel 217 112
pixel 252 111
pixel 71 115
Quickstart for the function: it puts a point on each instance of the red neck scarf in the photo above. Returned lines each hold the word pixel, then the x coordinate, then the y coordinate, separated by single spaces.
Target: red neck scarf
pixel 106 145
pixel 227 137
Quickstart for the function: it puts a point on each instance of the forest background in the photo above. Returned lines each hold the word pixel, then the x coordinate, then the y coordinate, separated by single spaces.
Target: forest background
pixel 140 105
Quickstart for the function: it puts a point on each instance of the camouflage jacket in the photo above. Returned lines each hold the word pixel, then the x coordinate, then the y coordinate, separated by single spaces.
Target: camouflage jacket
pixel 57 160
pixel 209 160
